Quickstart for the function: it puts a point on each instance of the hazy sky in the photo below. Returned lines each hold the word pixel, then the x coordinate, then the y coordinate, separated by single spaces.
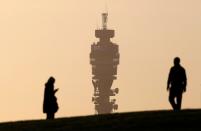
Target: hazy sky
pixel 42 38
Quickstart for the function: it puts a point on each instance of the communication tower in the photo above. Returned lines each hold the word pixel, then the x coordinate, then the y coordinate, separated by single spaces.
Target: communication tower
pixel 104 58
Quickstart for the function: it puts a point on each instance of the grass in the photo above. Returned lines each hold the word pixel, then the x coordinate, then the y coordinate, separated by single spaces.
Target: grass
pixel 186 120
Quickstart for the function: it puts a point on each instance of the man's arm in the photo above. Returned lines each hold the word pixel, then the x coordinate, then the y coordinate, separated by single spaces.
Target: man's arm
pixel 185 81
pixel 169 79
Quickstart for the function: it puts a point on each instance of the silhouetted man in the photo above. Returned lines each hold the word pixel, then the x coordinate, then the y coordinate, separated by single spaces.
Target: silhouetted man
pixel 176 84
pixel 50 105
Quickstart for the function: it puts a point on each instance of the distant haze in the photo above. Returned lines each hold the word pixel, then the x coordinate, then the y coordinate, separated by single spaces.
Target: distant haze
pixel 42 38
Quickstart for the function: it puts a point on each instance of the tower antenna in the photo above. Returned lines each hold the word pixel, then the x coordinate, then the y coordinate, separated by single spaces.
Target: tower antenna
pixel 105 16
pixel 106 7
pixel 104 20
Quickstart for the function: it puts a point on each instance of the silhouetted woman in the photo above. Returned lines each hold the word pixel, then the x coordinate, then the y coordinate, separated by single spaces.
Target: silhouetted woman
pixel 50 105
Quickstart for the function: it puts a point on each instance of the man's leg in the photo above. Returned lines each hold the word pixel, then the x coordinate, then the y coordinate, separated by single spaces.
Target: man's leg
pixel 171 100
pixel 179 101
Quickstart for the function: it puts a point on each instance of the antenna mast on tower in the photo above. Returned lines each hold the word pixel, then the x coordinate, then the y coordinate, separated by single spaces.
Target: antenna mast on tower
pixel 104 20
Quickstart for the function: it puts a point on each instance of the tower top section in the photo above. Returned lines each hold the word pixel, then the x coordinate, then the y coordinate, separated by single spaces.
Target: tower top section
pixel 104 33
pixel 104 20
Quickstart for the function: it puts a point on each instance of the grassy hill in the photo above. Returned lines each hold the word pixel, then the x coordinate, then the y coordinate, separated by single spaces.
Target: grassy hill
pixel 186 120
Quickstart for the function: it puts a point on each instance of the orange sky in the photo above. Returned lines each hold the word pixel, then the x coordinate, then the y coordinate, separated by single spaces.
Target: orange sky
pixel 40 38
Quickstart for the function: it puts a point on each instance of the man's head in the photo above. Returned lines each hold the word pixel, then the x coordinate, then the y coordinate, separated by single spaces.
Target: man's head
pixel 176 61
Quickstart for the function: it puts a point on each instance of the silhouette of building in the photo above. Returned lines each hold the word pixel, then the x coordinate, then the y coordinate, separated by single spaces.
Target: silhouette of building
pixel 104 58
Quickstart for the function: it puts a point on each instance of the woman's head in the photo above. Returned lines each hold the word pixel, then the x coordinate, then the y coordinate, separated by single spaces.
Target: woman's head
pixel 51 80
